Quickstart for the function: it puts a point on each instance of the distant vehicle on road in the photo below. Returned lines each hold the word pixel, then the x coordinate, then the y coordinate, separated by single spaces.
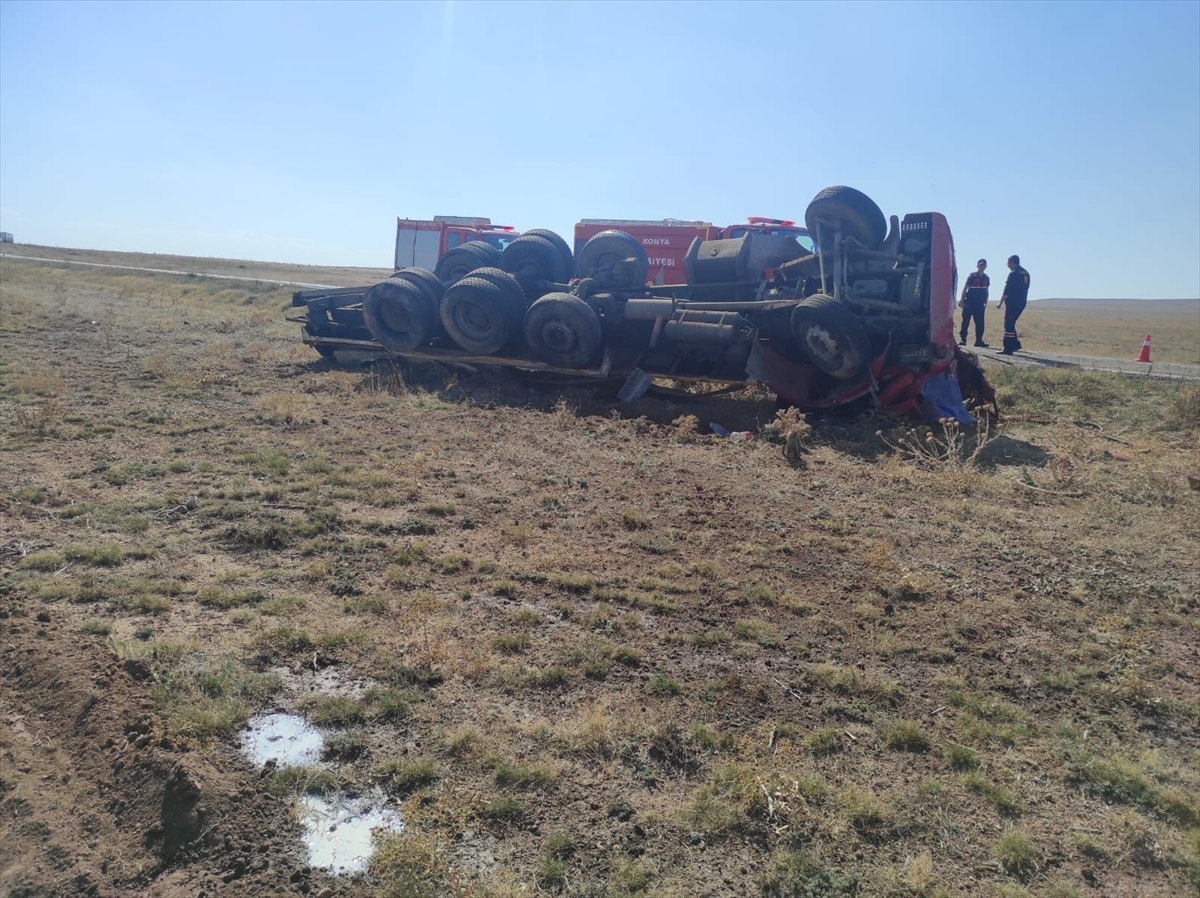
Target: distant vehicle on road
pixel 6 237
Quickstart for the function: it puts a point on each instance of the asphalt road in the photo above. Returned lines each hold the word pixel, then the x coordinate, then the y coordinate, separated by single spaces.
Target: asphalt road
pixel 1169 370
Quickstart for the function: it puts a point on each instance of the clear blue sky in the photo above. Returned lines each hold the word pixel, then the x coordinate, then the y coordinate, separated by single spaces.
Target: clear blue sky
pixel 1066 132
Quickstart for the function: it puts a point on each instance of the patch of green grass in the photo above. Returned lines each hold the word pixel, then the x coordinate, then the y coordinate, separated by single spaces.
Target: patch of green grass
pixel 47 560
pixel 865 813
pixel 554 677
pixel 287 782
pixel 144 603
pixel 654 546
pixel 410 553
pixel 266 537
pixel 961 757
pixel 521 776
pixel 627 656
pixel 108 554
pixel 391 705
pixel 209 699
pixel 410 866
pixel 552 873
pixel 630 879
pixel 406 775
pixel 55 589
pixel 452 564
pixel 506 809
pixel 347 746
pixel 505 587
pixel 399 674
pixel 438 509
pixel 511 644
pixel 366 605
pixel 286 639
pixel 336 711
pixel 661 684
pixel 463 742
pixel 226 599
pixel 1004 800
pixel 632 520
pixel 799 874
pixel 281 606
pixel 823 742
pixel 715 636
pixel 1123 782
pixel 1017 854
pixel 757 594
pixel 416 527
pixel 95 628
pixel 904 735
pixel 580 584
pixel 759 631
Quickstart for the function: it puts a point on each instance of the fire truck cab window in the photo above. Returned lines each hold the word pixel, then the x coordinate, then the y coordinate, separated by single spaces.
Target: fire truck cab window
pixel 453 239
pixel 499 240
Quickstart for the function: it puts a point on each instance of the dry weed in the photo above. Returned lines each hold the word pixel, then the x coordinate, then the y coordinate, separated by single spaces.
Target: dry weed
pixel 954 448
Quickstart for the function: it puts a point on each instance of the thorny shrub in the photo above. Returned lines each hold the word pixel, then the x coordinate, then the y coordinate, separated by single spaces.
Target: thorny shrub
pixel 953 448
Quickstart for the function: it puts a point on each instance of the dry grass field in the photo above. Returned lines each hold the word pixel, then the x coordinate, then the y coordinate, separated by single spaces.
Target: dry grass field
pixel 1109 328
pixel 583 652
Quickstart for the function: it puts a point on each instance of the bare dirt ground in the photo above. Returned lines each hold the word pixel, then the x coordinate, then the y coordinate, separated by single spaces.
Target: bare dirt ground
pixel 582 652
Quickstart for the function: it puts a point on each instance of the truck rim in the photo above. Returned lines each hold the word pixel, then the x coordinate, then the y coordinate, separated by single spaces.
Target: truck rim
pixel 558 336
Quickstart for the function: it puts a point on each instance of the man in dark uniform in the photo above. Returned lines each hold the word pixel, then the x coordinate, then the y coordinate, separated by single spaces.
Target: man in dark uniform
pixel 973 302
pixel 1016 294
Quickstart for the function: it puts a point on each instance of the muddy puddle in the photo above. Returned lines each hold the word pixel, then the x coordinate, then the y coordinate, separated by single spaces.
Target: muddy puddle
pixel 338 829
pixel 287 739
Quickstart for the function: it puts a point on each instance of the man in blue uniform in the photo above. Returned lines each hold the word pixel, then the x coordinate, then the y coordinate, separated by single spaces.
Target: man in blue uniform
pixel 973 302
pixel 1016 294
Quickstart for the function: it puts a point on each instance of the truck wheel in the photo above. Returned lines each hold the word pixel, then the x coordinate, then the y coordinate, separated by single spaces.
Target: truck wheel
pixel 832 336
pixel 856 212
pixel 400 315
pixel 426 280
pixel 559 244
pixel 509 285
pixel 484 250
pixel 479 316
pixel 457 263
pixel 563 330
pixel 604 259
pixel 531 260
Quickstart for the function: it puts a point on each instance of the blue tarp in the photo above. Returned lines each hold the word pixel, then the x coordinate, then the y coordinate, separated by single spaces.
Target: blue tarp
pixel 944 399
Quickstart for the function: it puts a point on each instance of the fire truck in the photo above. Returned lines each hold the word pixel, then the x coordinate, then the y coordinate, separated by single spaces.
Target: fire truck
pixel 853 306
pixel 666 242
pixel 423 244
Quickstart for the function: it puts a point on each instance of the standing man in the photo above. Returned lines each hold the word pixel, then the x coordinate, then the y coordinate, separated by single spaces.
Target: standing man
pixel 1016 294
pixel 973 301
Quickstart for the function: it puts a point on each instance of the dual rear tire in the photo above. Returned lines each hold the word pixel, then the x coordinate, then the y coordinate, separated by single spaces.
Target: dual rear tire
pixel 401 313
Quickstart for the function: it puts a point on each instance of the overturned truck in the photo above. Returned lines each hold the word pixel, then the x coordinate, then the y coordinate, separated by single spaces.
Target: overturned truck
pixel 866 317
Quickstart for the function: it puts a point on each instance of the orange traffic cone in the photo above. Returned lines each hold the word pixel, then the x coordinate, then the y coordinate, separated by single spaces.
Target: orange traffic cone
pixel 1144 355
